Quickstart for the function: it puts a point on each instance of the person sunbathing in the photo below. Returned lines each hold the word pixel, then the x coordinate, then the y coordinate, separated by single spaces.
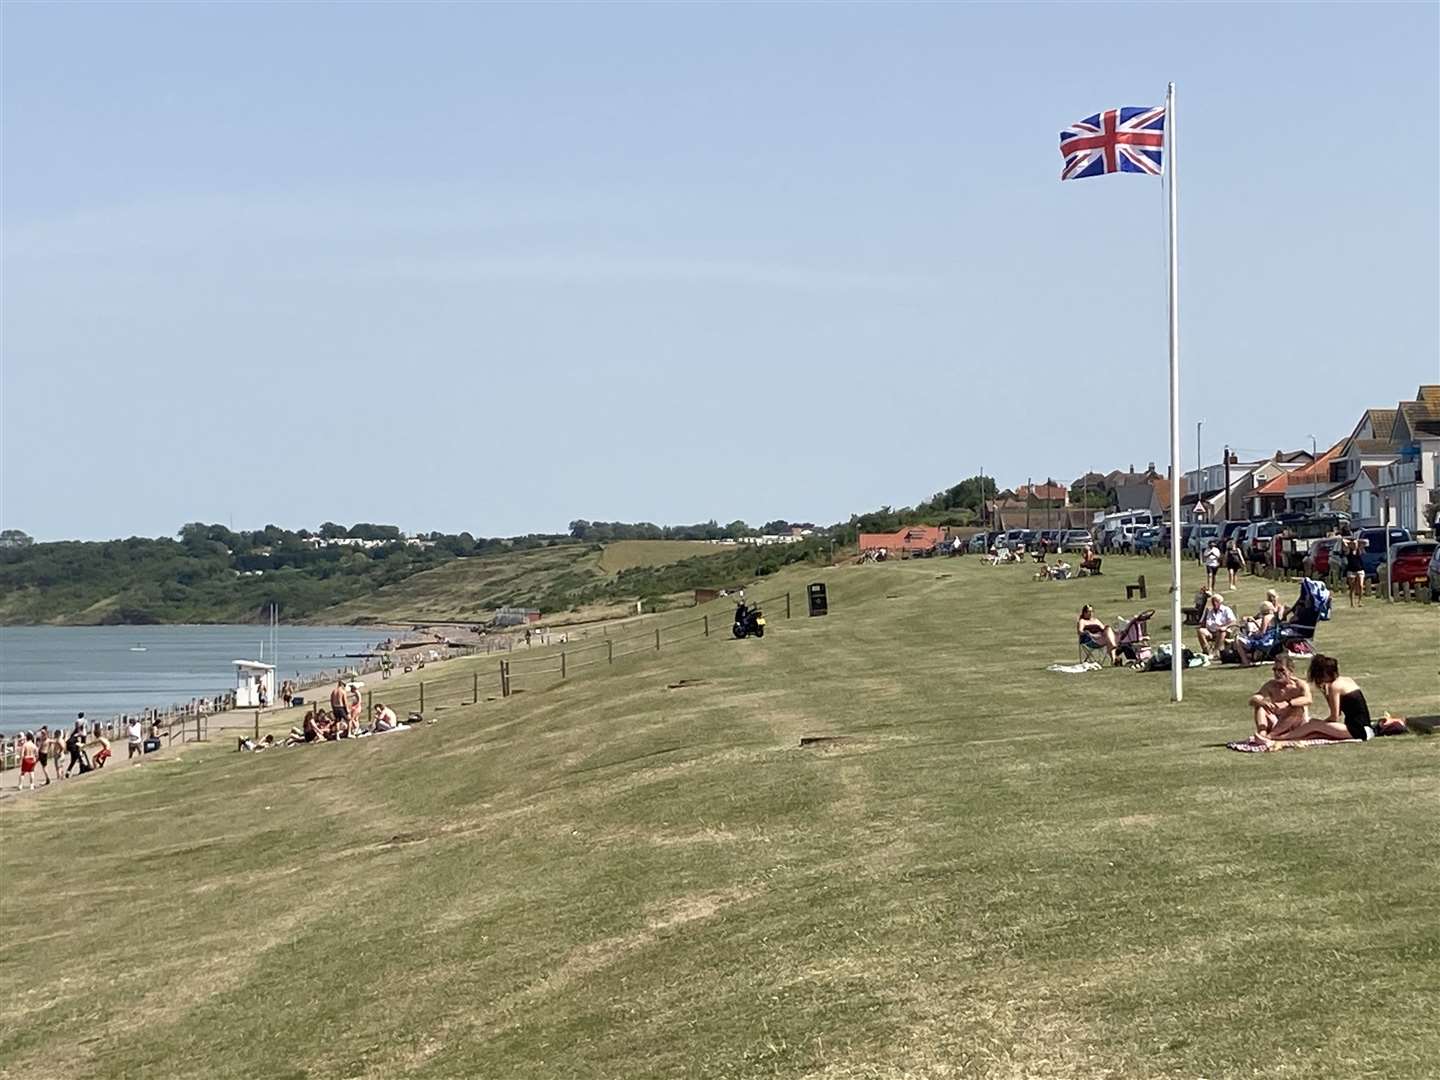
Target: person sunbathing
pixel 1349 711
pixel 385 719
pixel 1282 703
pixel 1094 634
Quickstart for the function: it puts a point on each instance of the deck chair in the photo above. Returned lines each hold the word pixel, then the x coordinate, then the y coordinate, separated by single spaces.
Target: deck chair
pixel 1133 639
pixel 1092 654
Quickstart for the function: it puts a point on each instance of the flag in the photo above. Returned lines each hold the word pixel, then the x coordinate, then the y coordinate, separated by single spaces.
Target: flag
pixel 1117 140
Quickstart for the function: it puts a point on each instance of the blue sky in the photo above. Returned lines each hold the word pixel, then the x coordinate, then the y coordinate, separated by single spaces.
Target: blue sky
pixel 495 268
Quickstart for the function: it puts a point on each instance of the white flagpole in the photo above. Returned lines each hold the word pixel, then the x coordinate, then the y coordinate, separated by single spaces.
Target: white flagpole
pixel 1177 654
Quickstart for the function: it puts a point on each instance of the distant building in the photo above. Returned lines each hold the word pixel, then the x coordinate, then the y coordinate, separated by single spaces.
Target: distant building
pixel 912 538
pixel 512 616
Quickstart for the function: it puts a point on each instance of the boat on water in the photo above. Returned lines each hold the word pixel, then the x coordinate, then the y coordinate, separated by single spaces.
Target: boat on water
pixel 138 648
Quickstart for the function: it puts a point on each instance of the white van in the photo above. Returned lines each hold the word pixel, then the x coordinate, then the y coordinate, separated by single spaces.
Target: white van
pixel 1116 528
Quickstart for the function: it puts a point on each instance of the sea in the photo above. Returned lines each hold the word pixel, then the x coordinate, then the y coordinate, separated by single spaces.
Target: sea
pixel 50 673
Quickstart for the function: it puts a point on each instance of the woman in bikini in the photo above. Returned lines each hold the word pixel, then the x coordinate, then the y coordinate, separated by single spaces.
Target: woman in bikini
pixel 1094 634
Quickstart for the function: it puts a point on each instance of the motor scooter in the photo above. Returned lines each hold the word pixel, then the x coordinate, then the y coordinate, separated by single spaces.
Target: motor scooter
pixel 748 620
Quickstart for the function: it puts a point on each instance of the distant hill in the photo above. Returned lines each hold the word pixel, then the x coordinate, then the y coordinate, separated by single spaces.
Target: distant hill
pixel 564 578
pixel 203 580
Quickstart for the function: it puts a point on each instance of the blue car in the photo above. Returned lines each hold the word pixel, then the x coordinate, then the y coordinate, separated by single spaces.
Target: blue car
pixel 1146 539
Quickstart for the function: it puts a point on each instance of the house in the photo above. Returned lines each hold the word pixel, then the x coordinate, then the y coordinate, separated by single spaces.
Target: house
pixel 1048 492
pixel 911 538
pixel 1312 486
pixel 1241 500
pixel 1391 459
pixel 1410 484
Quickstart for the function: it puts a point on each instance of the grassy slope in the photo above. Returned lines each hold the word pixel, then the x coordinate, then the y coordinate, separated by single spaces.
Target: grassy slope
pixel 624 554
pixel 470 588
pixel 473 588
pixel 1005 873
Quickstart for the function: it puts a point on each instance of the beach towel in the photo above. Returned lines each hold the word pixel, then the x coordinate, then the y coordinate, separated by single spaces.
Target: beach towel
pixel 1074 669
pixel 1245 746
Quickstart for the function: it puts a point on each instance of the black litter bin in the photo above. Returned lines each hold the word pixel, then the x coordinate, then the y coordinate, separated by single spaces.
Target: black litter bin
pixel 819 603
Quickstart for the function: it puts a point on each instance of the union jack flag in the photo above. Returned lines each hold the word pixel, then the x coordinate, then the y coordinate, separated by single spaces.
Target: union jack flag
pixel 1116 140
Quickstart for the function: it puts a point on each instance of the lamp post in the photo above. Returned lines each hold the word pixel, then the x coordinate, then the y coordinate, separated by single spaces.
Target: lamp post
pixel 1199 470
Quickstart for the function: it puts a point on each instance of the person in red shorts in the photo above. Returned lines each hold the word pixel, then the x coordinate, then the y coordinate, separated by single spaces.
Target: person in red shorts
pixel 29 758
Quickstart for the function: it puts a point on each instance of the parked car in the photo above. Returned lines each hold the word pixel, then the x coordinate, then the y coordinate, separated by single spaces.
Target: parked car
pixel 1051 537
pixel 1409 562
pixel 1144 540
pixel 1075 540
pixel 977 544
pixel 1433 574
pixel 1185 531
pixel 1232 528
pixel 1258 538
pixel 1200 538
pixel 1323 554
pixel 1372 551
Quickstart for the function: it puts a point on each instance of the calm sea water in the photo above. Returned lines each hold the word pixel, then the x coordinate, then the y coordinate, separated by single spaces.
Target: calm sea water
pixel 49 673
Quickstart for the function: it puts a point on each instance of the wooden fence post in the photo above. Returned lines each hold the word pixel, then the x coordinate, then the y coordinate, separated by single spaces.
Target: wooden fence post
pixel 369 702
pixel 257 726
pixel 422 695
pixel 504 690
pixel 475 678
pixel 562 663
pixel 657 639
pixel 707 625
pixel 787 605
pixel 610 651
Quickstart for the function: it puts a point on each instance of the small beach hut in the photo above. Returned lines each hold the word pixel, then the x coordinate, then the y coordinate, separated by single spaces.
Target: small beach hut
pixel 250 676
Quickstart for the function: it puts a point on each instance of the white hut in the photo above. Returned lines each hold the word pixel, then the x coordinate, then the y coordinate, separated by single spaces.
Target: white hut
pixel 250 677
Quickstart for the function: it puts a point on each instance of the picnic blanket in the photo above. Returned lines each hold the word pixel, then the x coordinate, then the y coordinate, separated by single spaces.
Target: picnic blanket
pixel 1245 746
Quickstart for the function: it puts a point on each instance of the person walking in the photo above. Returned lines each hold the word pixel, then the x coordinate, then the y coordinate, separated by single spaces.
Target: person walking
pixel 42 749
pixel 1354 572
pixel 1234 561
pixel 29 758
pixel 54 748
pixel 75 747
pixel 134 740
pixel 1211 559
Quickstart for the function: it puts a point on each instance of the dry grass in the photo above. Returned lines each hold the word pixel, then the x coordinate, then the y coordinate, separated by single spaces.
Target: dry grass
pixel 998 873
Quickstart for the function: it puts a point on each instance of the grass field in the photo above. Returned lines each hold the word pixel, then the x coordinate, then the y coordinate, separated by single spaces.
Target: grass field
pixel 997 872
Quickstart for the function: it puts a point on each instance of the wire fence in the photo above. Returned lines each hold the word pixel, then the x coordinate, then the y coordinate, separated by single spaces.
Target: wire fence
pixel 528 670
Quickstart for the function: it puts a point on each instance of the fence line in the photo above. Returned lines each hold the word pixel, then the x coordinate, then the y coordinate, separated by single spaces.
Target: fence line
pixel 529 672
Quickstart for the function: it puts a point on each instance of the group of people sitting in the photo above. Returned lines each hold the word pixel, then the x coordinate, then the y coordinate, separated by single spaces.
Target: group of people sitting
pixel 1274 628
pixel 1281 707
pixel 320 727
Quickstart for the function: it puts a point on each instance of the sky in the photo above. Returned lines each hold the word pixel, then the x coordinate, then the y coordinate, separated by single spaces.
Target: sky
pixel 495 268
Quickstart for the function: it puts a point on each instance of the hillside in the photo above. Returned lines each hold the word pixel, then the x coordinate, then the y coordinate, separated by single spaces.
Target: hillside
pixel 558 579
pixel 994 871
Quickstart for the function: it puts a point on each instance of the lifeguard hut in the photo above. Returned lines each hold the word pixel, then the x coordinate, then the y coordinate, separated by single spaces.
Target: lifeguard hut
pixel 250 676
